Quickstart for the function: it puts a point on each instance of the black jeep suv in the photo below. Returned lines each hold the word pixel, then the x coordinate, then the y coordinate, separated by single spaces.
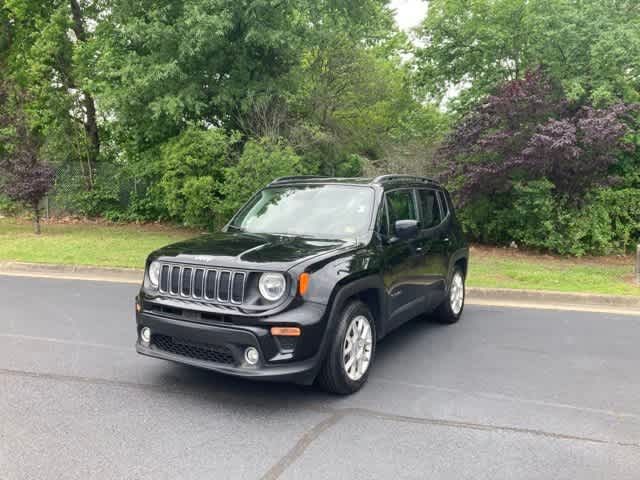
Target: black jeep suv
pixel 305 279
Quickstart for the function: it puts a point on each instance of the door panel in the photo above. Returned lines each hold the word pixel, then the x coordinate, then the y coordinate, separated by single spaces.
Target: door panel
pixel 402 261
pixel 433 235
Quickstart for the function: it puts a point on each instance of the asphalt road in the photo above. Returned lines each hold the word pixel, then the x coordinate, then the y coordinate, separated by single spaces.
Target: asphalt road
pixel 505 394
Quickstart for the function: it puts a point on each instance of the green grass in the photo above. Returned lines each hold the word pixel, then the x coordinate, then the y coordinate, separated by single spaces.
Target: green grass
pixel 607 275
pixel 128 245
pixel 84 244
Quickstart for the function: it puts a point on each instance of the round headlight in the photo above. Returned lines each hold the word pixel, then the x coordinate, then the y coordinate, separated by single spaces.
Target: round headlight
pixel 272 286
pixel 154 273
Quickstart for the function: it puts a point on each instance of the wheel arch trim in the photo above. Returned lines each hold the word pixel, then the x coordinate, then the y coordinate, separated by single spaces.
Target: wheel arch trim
pixel 341 295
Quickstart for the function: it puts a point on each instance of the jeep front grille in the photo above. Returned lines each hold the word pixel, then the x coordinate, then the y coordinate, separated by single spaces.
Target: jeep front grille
pixel 208 284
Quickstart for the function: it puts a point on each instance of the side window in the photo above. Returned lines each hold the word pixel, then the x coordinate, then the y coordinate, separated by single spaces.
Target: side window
pixel 401 206
pixel 430 210
pixel 443 202
pixel 383 224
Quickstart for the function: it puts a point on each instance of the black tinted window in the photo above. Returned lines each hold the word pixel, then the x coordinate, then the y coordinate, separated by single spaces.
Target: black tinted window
pixel 443 202
pixel 430 209
pixel 401 206
pixel 383 225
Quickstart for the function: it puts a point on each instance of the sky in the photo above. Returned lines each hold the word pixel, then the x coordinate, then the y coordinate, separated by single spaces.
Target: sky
pixel 409 13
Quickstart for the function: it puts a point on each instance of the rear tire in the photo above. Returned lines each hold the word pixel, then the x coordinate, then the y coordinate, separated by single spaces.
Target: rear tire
pixel 351 352
pixel 450 310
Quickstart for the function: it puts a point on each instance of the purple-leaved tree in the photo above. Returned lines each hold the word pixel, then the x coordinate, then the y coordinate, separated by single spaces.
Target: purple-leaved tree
pixel 24 178
pixel 528 131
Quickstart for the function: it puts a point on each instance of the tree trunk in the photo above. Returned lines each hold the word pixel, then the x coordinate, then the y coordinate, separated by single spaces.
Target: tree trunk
pixel 91 129
pixel 36 219
pixel 90 121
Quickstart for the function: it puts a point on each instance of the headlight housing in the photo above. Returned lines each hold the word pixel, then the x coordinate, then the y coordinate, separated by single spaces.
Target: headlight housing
pixel 272 286
pixel 154 273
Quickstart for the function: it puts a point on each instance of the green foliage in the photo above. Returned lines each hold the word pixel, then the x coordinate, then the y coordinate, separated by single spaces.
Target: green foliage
pixel 355 96
pixel 261 162
pixel 104 198
pixel 351 166
pixel 315 86
pixel 193 164
pixel 8 207
pixel 40 57
pixel 623 209
pixel 532 216
pixel 591 46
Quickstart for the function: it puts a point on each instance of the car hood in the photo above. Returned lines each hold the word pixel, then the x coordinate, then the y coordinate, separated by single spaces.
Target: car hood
pixel 249 251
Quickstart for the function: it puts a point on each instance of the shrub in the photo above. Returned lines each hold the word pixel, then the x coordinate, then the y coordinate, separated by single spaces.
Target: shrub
pixel 103 197
pixel 261 162
pixel 193 168
pixel 623 209
pixel 9 207
pixel 533 215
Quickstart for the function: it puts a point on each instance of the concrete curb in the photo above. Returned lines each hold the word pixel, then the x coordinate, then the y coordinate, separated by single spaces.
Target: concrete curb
pixel 551 297
pixel 474 294
pixel 80 272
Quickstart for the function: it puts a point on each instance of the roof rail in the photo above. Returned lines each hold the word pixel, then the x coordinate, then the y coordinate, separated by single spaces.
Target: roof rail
pixel 296 177
pixel 391 177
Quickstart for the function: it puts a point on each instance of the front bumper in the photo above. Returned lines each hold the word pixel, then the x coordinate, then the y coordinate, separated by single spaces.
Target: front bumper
pixel 221 347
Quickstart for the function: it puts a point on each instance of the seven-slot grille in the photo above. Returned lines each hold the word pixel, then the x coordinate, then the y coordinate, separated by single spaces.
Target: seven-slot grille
pixel 220 286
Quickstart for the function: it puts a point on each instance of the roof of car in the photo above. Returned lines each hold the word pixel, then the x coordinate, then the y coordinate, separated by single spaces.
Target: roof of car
pixel 382 180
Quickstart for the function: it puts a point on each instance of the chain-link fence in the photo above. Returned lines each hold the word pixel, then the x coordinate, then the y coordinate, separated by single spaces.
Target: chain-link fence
pixel 68 195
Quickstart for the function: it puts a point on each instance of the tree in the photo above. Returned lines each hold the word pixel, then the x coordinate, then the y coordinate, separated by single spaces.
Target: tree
pixel 592 47
pixel 88 115
pixel 527 131
pixel 351 88
pixel 166 65
pixel 266 68
pixel 43 58
pixel 24 177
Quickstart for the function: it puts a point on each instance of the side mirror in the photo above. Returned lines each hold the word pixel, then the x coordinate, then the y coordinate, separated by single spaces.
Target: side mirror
pixel 406 229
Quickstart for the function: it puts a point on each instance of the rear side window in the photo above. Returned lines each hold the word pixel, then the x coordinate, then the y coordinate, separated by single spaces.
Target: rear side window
pixel 401 206
pixel 430 208
pixel 443 202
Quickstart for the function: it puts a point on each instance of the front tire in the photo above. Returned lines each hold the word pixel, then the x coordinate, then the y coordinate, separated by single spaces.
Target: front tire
pixel 351 353
pixel 450 310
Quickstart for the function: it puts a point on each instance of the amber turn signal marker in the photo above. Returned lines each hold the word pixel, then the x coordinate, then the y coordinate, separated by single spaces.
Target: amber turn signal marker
pixel 303 283
pixel 285 331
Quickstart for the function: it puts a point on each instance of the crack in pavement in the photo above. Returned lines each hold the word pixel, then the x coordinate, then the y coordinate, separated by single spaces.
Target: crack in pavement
pixel 302 444
pixel 485 427
pixel 336 414
pixel 312 434
pixel 508 398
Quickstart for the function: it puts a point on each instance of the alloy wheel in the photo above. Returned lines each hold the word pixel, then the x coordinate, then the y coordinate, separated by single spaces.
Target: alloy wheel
pixel 356 351
pixel 456 293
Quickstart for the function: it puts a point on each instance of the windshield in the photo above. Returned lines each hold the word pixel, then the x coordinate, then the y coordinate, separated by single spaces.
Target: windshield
pixel 324 211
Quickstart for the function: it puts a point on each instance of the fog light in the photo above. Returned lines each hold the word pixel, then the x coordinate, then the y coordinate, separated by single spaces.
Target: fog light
pixel 251 355
pixel 145 334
